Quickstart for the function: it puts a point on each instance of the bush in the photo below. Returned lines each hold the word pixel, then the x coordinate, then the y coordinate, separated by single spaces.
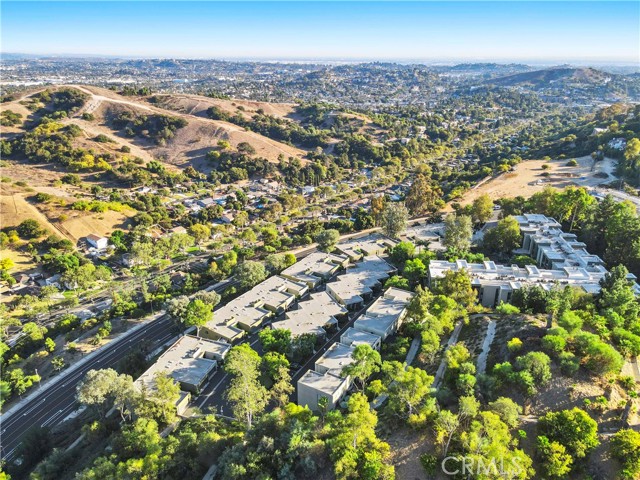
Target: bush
pixel 429 462
pixel 572 163
pixel 507 309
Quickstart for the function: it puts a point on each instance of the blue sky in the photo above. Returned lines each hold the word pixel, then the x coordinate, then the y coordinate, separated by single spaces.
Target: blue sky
pixel 543 31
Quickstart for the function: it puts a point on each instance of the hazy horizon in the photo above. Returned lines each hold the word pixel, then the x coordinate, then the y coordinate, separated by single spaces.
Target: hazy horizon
pixel 545 33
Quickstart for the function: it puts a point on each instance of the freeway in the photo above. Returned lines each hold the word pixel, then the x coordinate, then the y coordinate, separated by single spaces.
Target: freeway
pixel 53 403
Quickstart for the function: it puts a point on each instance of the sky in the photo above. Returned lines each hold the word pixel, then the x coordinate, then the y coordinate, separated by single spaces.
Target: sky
pixel 541 31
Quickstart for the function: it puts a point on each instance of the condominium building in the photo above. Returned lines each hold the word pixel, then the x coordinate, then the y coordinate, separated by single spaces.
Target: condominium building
pixel 190 361
pixel 359 283
pixel 366 246
pixel 249 311
pixel 562 260
pixel 316 268
pixel 316 315
pixel 386 314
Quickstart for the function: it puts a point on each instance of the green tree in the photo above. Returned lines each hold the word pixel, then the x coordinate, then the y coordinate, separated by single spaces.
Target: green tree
pixel 402 252
pixel 410 392
pixel 366 362
pixel 200 232
pixel 276 340
pixel 29 229
pixel 573 429
pixel 250 273
pixel 625 446
pixel 482 209
pixel 458 230
pixel 504 238
pixel 197 314
pixel 282 388
pixel 423 197
pixel 102 389
pixel 508 411
pixel 354 448
pixel 394 219
pixel 556 462
pixel 327 240
pixel 457 286
pixel 245 393
pixel 414 270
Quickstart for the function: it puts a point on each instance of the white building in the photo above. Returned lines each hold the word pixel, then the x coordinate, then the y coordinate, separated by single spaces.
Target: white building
pixel 97 242
pixel 563 260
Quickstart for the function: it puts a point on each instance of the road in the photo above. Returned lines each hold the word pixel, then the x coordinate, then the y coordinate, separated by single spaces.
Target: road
pixel 212 396
pixel 57 401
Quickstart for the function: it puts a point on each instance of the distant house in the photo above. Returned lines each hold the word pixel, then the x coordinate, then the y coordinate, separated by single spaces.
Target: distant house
pixel 206 202
pixel 178 229
pixel 97 242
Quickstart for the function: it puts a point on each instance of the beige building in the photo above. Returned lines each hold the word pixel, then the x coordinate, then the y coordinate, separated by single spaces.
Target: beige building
pixel 316 268
pixel 190 361
pixel 386 314
pixel 249 311
pixel 316 315
pixel 313 386
pixel 366 246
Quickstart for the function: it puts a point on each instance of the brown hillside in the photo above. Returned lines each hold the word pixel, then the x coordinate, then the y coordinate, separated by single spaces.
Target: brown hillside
pixel 197 105
pixel 191 143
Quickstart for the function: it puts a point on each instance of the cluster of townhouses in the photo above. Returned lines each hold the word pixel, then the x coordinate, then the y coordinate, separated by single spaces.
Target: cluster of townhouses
pixel 327 379
pixel 313 296
pixel 561 259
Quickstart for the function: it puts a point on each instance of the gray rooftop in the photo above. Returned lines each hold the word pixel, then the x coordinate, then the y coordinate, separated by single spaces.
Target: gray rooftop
pixel 189 360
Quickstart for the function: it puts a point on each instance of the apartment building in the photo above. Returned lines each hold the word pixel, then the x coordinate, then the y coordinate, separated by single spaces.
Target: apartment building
pixel 190 361
pixel 248 312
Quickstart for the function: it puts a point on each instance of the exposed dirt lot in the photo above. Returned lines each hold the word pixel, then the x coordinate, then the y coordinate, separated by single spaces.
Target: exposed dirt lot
pixel 528 179
pixel 101 224
pixel 14 209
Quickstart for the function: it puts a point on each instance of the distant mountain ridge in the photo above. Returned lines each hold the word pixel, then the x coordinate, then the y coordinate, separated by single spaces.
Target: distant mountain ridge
pixel 556 75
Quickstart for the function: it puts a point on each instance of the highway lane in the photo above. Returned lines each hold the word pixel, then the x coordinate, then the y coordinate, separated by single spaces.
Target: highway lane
pixel 57 401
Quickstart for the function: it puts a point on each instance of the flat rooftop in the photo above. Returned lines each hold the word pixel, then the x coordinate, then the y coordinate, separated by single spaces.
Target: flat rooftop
pixel 255 305
pixel 353 336
pixel 489 273
pixel 335 358
pixel 323 382
pixel 371 244
pixel 315 267
pixel 312 315
pixel 189 360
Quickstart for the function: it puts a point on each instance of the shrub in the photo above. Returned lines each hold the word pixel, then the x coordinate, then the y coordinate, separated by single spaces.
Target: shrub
pixel 507 309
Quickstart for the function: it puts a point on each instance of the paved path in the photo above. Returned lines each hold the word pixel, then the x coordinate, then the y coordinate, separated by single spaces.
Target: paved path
pixel 486 346
pixel 443 364
pixel 411 355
